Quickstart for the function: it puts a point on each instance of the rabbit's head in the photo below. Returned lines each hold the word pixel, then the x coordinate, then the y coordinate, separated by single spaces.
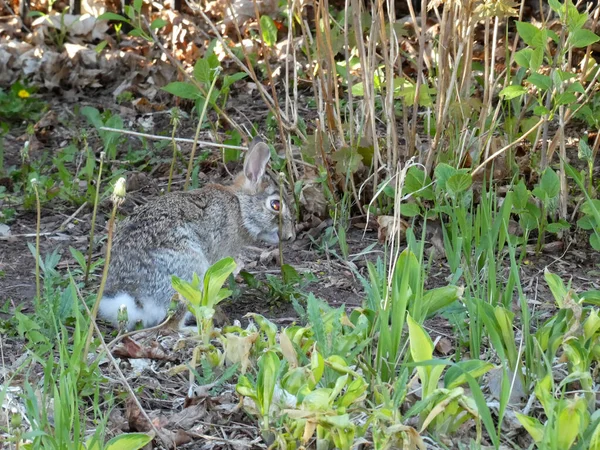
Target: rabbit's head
pixel 264 206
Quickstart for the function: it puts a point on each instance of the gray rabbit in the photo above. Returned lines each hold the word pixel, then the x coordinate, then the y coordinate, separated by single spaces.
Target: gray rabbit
pixel 185 232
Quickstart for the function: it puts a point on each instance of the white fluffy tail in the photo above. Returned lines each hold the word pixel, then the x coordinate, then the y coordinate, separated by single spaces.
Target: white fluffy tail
pixel 150 315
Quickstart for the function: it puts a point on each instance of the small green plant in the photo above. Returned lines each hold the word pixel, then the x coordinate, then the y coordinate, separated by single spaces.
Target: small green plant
pixel 18 104
pixel 202 301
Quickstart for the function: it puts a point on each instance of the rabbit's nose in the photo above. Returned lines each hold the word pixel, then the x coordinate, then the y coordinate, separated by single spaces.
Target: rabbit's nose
pixel 288 233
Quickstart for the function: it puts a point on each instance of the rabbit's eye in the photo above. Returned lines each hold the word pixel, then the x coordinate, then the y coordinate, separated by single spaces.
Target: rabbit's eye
pixel 275 205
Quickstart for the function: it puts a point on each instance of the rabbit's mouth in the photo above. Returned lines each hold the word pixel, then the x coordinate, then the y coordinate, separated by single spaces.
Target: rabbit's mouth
pixel 269 237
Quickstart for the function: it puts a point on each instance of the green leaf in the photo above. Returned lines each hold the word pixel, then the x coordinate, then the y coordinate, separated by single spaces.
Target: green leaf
pixel 410 209
pixel 523 57
pixel 214 278
pixel 188 290
pixel 532 425
pixel 542 82
pixel 550 183
pixel 113 16
pixel 418 183
pixel 421 346
pixel 228 80
pixel 202 71
pixel 557 227
pixel 439 298
pixel 595 241
pixel 128 441
pixel 158 23
pixel 582 38
pixel 269 30
pixel 537 57
pixel 530 34
pixel 457 374
pixel 442 173
pixel 268 367
pixel 510 92
pixel 557 287
pixel 182 90
pixel 137 5
pixel 459 183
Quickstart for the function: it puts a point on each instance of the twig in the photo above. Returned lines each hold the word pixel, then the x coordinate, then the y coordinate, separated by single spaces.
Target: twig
pixel 71 217
pixel 503 149
pixel 168 138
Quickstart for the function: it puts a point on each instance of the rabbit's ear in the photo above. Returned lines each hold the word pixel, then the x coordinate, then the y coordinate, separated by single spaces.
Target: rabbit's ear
pixel 256 161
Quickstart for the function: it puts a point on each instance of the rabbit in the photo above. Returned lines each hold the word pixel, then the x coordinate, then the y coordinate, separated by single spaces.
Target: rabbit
pixel 185 232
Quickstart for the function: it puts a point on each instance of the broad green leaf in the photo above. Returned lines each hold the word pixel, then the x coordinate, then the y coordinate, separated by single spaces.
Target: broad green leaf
pixel 202 71
pixel 410 209
pixel 523 57
pixel 532 425
pixel 269 30
pixel 317 400
pixel 317 365
pixel 128 441
pixel 584 151
pixel 421 346
pixel 354 392
pixel 459 183
pixel 418 183
pixel 438 298
pixel 582 38
pixel 214 278
pixel 531 35
pixel 595 439
pixel 557 227
pixel 557 287
pixel 543 82
pixel 595 241
pixel 442 173
pixel 358 90
pixel 456 374
pixel 228 80
pixel 569 422
pixel 550 183
pixel 510 92
pixel 158 23
pixel 268 367
pixel 347 160
pixel 187 290
pixel 244 387
pixel 182 90
pixel 112 16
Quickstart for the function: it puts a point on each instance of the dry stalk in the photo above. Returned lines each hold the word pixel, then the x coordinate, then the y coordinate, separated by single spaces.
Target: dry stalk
pixel 292 169
pixel 420 31
pixel 93 224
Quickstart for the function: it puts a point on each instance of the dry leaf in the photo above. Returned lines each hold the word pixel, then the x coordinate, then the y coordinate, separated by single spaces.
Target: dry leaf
pixel 128 348
pixel 237 349
pixel 388 226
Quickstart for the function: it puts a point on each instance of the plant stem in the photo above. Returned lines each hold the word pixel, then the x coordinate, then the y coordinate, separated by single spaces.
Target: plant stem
pixel 37 238
pixel 94 312
pixel 198 128
pixel 93 225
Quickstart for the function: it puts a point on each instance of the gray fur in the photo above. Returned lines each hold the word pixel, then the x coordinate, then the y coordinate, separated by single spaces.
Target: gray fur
pixel 185 232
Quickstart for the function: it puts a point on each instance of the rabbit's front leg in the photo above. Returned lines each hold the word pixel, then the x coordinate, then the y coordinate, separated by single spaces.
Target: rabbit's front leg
pixel 239 266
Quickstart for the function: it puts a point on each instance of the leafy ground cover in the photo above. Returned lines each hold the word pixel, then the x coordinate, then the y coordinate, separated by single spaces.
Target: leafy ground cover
pixel 443 290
